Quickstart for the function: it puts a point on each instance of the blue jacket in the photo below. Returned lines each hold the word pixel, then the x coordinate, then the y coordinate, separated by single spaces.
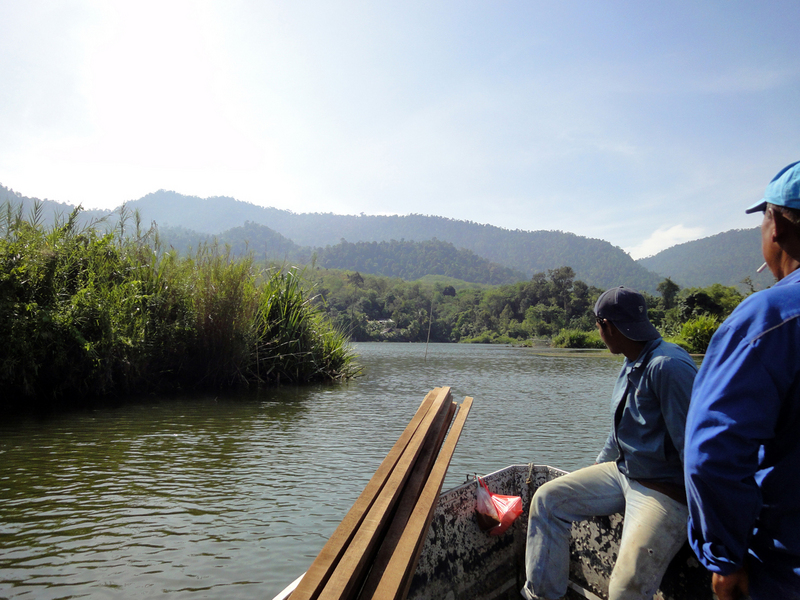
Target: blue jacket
pixel 649 405
pixel 743 444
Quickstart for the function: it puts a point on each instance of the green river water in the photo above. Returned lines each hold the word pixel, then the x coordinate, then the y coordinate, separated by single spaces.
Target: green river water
pixel 233 496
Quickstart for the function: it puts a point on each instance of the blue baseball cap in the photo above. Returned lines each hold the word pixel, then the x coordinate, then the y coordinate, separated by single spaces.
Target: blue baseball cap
pixel 627 310
pixel 783 190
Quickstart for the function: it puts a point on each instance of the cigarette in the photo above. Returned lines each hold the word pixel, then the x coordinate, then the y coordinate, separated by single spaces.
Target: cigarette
pixel 761 268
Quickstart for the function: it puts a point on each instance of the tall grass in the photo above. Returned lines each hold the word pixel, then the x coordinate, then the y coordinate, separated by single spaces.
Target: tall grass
pixel 295 342
pixel 92 311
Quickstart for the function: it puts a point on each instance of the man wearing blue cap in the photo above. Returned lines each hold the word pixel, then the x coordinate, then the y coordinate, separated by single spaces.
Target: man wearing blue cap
pixel 743 428
pixel 638 472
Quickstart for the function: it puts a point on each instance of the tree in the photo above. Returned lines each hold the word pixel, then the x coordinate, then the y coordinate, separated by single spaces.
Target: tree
pixel 698 303
pixel 356 279
pixel 668 290
pixel 561 279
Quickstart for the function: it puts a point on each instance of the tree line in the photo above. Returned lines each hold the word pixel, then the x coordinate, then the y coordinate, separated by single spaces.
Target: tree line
pixel 552 307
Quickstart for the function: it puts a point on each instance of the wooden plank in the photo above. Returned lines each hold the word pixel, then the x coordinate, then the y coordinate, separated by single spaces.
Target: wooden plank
pixel 352 568
pixel 405 506
pixel 432 492
pixel 354 563
pixel 320 570
pixel 396 578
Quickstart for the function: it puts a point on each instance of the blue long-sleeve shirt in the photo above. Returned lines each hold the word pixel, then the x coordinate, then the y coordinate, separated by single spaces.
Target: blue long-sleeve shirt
pixel 743 441
pixel 649 405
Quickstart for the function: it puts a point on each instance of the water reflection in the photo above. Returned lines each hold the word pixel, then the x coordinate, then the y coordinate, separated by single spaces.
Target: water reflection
pixel 207 497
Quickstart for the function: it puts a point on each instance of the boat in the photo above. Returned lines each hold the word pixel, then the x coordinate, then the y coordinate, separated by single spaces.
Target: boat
pixel 459 561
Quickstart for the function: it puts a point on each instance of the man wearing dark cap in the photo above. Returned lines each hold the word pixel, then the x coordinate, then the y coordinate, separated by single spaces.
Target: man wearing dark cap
pixel 639 472
pixel 743 428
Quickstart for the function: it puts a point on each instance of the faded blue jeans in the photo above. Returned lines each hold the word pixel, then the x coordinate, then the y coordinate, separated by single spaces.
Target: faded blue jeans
pixel 653 531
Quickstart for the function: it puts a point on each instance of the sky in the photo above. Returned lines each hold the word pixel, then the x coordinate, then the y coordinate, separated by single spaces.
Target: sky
pixel 645 124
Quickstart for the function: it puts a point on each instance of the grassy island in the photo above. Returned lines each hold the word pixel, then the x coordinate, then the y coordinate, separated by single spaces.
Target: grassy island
pixel 103 309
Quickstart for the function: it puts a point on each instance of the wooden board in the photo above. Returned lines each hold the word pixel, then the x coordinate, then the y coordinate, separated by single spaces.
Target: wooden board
pixel 351 569
pixel 405 506
pixel 397 577
pixel 323 566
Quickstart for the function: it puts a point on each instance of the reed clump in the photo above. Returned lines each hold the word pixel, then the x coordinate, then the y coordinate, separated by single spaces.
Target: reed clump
pixel 89 311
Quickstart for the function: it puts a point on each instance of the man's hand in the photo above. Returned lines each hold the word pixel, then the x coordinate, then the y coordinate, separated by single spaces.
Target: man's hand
pixel 731 587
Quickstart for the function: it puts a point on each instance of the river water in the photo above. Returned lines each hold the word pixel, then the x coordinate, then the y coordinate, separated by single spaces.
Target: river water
pixel 233 496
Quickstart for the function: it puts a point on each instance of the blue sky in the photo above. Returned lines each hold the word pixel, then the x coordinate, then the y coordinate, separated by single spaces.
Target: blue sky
pixel 645 124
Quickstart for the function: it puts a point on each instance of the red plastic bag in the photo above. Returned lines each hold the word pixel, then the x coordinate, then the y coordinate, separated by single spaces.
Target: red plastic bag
pixel 495 513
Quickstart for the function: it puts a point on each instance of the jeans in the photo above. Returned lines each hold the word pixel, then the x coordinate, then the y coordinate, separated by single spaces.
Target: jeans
pixel 654 529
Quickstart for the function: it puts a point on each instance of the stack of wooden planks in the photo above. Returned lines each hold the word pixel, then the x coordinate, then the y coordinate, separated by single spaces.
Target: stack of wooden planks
pixel 374 551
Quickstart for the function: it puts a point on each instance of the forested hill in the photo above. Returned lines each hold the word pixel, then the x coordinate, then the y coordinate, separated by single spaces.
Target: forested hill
pixel 50 209
pixel 725 258
pixel 595 262
pixel 406 260
pixel 251 238
pixel 205 215
pixel 414 260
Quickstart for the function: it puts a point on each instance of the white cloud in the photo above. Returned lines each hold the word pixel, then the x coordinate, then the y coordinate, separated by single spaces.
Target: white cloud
pixel 663 238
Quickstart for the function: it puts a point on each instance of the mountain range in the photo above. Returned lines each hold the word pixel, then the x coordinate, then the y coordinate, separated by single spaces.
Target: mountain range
pixel 411 246
pixel 725 258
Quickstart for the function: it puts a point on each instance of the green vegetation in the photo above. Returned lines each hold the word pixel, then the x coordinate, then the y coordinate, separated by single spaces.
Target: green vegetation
pixel 552 306
pixel 414 260
pixel 695 314
pixel 88 313
pixel 406 260
pixel 697 332
pixel 97 308
pixel 575 338
pixel 385 309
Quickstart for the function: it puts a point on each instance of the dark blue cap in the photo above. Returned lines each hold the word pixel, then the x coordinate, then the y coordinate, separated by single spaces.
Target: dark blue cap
pixel 627 310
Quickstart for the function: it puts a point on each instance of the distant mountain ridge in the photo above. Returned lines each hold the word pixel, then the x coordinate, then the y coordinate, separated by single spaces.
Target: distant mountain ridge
pixel 186 221
pixel 205 215
pixel 594 261
pixel 725 258
pixel 406 260
pixel 51 209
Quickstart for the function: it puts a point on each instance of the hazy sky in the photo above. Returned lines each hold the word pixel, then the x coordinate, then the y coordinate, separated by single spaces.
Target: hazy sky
pixel 642 123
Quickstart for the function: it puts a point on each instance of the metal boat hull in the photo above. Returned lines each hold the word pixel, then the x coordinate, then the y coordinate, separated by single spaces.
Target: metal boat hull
pixel 461 562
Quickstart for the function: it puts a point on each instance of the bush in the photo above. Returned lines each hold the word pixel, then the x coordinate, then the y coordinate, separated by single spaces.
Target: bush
pixel 489 337
pixel 697 333
pixel 575 338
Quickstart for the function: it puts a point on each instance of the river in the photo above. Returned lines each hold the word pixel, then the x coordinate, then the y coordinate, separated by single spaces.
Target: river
pixel 232 496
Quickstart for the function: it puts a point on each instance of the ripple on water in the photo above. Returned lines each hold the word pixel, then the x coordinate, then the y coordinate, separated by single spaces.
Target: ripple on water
pixel 232 497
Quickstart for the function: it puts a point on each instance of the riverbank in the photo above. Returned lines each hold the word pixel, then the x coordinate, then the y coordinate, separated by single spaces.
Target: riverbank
pixel 104 310
pixel 552 307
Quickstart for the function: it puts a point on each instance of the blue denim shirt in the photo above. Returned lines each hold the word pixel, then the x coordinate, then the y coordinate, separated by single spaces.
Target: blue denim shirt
pixel 649 406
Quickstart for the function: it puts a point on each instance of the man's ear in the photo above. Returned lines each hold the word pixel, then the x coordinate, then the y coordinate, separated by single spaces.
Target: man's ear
pixel 780 226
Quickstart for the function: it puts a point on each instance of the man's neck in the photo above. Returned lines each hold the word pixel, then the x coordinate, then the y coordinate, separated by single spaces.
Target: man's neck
pixel 787 265
pixel 631 350
pixel 787 258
